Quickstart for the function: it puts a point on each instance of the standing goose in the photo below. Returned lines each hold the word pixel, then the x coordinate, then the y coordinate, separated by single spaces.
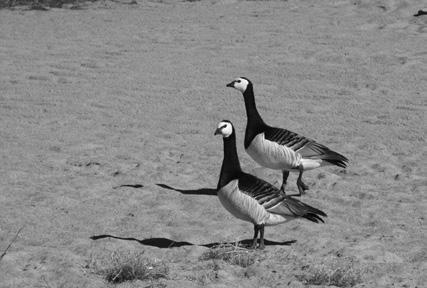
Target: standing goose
pixel 252 199
pixel 281 149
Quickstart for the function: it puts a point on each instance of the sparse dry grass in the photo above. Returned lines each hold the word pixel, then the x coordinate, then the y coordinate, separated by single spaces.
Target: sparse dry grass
pixel 123 266
pixel 340 272
pixel 232 254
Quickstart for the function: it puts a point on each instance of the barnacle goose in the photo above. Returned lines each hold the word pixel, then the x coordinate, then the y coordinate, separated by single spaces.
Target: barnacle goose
pixel 252 199
pixel 278 148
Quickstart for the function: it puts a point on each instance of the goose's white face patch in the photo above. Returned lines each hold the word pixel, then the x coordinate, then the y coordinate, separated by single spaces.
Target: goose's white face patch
pixel 241 84
pixel 225 129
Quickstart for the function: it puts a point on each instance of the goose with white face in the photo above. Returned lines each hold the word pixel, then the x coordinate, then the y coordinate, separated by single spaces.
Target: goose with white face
pixel 252 199
pixel 225 128
pixel 240 84
pixel 278 148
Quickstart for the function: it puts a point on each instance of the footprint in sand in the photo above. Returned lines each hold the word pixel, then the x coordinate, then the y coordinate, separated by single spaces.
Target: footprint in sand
pixel 39 77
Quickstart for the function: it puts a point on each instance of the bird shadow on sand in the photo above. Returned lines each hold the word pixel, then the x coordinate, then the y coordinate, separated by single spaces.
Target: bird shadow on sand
pixel 168 243
pixel 201 191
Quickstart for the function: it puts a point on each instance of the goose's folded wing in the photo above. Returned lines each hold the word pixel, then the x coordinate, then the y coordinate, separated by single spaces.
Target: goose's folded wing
pixel 286 137
pixel 274 201
pixel 293 207
pixel 308 148
pixel 266 194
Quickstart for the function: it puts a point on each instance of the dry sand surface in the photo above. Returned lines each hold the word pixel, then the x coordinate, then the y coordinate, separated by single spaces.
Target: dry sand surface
pixel 107 119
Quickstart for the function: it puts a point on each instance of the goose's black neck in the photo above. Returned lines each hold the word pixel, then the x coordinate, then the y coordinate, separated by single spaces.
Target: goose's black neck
pixel 255 124
pixel 230 168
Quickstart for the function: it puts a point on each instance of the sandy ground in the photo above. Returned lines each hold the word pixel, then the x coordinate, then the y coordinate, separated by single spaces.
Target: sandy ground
pixel 117 94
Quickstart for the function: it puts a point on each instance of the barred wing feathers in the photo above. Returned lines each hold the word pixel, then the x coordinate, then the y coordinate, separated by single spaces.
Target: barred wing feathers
pixel 274 201
pixel 308 148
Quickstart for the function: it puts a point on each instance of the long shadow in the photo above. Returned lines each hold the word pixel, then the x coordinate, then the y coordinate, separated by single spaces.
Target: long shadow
pixel 168 243
pixel 202 191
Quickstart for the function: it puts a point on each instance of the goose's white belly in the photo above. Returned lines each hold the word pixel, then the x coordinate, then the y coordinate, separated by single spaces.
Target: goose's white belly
pixel 241 205
pixel 272 155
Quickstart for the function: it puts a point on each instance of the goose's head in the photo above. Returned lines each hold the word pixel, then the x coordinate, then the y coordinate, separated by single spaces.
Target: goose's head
pixel 225 128
pixel 241 84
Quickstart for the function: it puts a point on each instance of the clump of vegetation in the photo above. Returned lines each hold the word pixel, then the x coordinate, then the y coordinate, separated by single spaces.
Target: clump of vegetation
pixel 230 253
pixel 123 266
pixel 340 272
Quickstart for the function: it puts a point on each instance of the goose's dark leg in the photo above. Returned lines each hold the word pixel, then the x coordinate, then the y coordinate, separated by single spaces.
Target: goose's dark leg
pixel 254 241
pixel 261 237
pixel 284 181
pixel 301 186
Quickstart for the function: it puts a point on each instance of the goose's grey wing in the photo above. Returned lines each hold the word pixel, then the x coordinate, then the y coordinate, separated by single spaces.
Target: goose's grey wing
pixel 308 148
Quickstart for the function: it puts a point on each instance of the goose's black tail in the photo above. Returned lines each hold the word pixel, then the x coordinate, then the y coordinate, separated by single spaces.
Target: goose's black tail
pixel 303 210
pixel 336 159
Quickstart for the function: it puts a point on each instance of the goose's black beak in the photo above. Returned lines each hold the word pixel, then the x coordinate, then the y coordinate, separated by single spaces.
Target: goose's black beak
pixel 217 131
pixel 231 84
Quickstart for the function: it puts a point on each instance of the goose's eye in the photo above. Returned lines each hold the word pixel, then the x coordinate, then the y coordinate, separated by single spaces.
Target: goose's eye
pixel 238 81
